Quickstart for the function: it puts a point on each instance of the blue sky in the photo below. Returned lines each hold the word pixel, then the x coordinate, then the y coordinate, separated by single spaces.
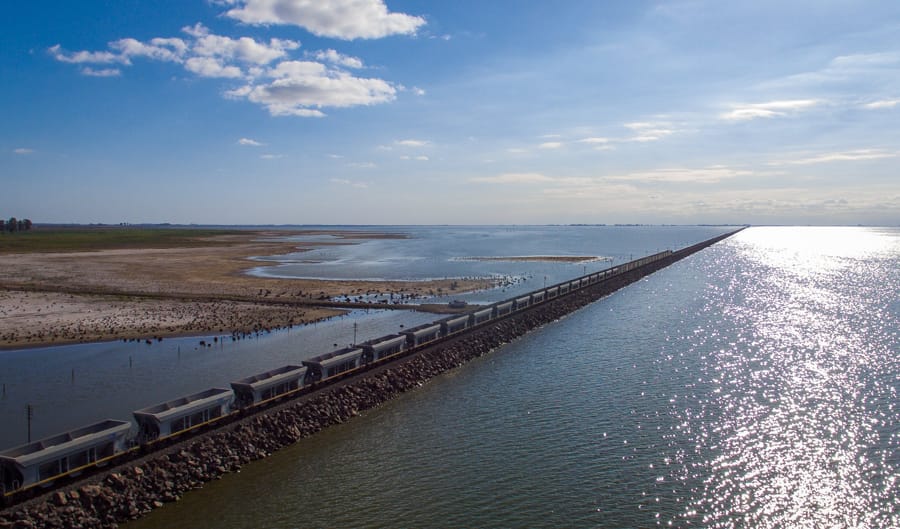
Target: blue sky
pixel 401 112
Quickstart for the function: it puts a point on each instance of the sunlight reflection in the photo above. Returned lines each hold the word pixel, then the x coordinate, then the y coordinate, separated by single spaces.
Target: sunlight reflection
pixel 799 385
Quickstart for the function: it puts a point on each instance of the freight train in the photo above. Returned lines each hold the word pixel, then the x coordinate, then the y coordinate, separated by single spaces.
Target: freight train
pixel 41 464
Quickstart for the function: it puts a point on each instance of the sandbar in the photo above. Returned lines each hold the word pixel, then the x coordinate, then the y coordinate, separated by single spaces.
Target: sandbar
pixel 200 287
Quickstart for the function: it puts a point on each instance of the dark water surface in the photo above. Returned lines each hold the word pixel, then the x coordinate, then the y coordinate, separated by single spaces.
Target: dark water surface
pixel 751 385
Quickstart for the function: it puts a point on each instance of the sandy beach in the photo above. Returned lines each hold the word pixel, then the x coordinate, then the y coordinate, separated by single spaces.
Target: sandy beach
pixel 146 293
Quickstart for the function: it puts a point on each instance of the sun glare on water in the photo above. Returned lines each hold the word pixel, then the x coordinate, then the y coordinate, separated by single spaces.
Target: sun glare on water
pixel 806 432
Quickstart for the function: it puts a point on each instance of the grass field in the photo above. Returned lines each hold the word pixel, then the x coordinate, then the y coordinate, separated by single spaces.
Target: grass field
pixel 109 238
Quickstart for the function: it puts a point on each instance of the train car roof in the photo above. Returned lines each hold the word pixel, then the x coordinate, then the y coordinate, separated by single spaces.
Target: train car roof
pixel 422 327
pixel 69 442
pixel 450 319
pixel 269 378
pixel 384 341
pixel 184 405
pixel 334 357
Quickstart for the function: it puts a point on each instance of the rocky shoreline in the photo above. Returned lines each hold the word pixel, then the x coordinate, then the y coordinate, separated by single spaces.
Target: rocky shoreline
pixel 133 490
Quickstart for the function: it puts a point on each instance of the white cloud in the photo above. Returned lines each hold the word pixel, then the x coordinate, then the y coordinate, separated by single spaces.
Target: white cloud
pixel 178 46
pixel 300 88
pixel 22 151
pixel 706 175
pixel 413 143
pixel 269 156
pixel 342 19
pixel 284 87
pixel 845 156
pixel 81 57
pixel 551 145
pixel 649 131
pixel 865 70
pixel 102 72
pixel 211 67
pixel 206 54
pixel 418 91
pixel 594 141
pixel 886 103
pixel 351 183
pixel 418 158
pixel 250 143
pixel 163 50
pixel 362 165
pixel 243 49
pixel 866 60
pixel 197 30
pixel 338 58
pixel 770 109
pixel 513 178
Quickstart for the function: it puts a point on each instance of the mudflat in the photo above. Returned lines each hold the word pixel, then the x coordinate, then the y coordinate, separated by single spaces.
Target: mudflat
pixel 65 286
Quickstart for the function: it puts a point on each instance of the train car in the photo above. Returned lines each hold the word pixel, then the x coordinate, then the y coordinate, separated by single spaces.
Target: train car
pixel 563 289
pixel 593 278
pixel 264 386
pixel 480 316
pixel 422 334
pixel 182 414
pixel 538 297
pixel 41 461
pixel 552 292
pixel 382 347
pixel 454 324
pixel 574 285
pixel 502 309
pixel 522 302
pixel 334 363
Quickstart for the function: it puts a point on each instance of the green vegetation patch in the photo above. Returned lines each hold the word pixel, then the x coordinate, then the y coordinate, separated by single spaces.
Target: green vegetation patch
pixel 82 239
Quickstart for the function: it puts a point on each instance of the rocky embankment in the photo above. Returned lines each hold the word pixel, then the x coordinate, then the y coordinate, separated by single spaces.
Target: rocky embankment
pixel 130 491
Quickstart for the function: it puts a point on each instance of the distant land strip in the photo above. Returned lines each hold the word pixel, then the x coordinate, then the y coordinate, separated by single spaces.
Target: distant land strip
pixel 85 284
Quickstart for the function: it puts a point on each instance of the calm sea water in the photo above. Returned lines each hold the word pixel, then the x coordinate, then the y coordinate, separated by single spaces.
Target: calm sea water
pixel 751 385
pixel 72 386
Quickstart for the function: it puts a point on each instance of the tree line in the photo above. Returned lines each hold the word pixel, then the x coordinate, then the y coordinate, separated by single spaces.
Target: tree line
pixel 14 225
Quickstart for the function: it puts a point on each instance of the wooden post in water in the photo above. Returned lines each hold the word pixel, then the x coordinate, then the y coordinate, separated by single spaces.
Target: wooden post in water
pixel 29 413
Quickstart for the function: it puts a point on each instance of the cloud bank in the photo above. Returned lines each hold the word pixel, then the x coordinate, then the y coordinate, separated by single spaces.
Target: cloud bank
pixel 268 76
pixel 340 19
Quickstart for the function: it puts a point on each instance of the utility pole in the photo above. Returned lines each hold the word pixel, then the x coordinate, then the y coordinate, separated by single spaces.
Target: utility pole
pixel 29 412
pixel 354 333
